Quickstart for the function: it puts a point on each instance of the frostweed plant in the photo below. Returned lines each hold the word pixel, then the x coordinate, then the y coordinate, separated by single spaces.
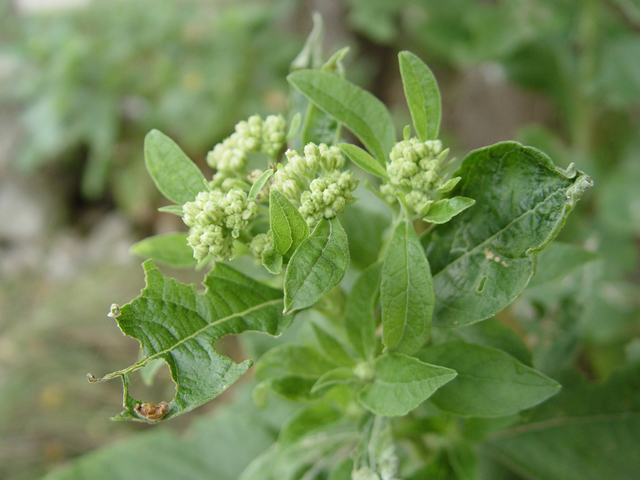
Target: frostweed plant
pixel 400 372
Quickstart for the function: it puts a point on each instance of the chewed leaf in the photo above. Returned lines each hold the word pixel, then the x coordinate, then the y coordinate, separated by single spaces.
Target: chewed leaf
pixel 175 323
pixel 483 258
pixel 175 175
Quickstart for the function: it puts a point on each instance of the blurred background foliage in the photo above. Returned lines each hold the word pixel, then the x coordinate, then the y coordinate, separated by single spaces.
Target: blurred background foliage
pixel 81 86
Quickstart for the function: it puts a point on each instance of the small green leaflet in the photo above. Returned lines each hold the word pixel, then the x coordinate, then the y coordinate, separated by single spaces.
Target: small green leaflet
pixel 444 210
pixel 287 225
pixel 173 322
pixel 170 248
pixel 317 265
pixel 483 258
pixel 175 175
pixel 406 292
pixel 401 384
pixel 362 159
pixel 172 209
pixel 490 382
pixel 259 184
pixel 422 94
pixel 357 109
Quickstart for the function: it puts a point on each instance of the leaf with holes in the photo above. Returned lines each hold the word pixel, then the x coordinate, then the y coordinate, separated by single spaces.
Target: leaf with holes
pixel 175 323
pixel 483 258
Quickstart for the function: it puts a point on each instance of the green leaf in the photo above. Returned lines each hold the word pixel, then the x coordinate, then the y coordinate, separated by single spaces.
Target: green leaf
pixel 490 333
pixel 259 184
pixel 362 159
pixel 173 209
pixel 406 292
pixel 464 461
pixel 272 262
pixel 170 248
pixel 175 175
pixel 375 457
pixel 332 348
pixel 483 258
pixel 173 322
pixel 587 432
pixel 357 109
pixel 318 265
pixel 359 315
pixel 444 210
pixel 422 94
pixel 365 228
pixel 490 382
pixel 333 378
pixel 287 225
pixel 401 384
pixel 312 417
pixel 242 432
pixel 291 370
pixel 558 260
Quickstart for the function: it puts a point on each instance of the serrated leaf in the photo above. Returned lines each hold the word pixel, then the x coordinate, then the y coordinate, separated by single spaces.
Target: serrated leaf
pixel 359 315
pixel 401 384
pixel 259 184
pixel 170 248
pixel 357 109
pixel 422 94
pixel 589 431
pixel 317 265
pixel 483 258
pixel 490 382
pixel 406 292
pixel 362 159
pixel 444 210
pixel 288 226
pixel 173 322
pixel 175 175
pixel 558 260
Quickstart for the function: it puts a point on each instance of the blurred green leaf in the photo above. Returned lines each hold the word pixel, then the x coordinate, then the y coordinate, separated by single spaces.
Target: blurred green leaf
pixel 170 248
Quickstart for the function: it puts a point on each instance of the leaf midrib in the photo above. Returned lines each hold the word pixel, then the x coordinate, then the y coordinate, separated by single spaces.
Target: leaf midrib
pixel 200 330
pixel 473 251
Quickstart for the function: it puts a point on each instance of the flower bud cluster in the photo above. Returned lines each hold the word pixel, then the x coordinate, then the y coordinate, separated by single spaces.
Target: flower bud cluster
pixel 322 197
pixel 216 219
pixel 415 171
pixel 263 242
pixel 327 196
pixel 229 158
